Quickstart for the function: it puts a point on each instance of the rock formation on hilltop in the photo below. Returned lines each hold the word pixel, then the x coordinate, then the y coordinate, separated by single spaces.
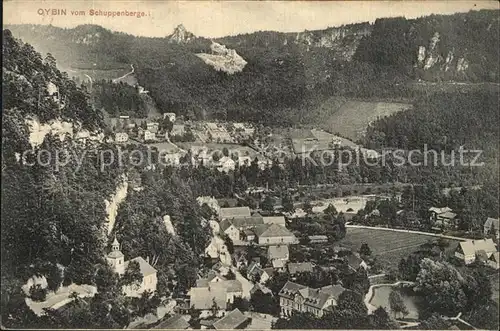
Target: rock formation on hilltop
pixel 181 35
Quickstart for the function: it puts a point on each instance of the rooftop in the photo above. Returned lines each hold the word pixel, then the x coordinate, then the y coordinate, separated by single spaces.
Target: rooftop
pixel 175 322
pixel 232 320
pixel 234 212
pixel 146 268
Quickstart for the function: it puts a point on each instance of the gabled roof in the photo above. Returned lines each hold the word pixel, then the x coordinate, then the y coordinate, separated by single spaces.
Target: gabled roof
pixel 224 225
pixel 175 322
pixel 272 230
pixel 262 288
pixel 203 297
pixel 448 215
pixel 278 252
pixel 234 212
pixel 467 247
pixel 439 210
pixel 230 286
pixel 232 320
pixel 495 257
pixel 486 244
pixel 294 268
pixel 333 290
pixel 470 247
pixel 245 222
pixel 280 220
pixel 313 297
pixel 146 268
pixel 353 261
pixel 491 222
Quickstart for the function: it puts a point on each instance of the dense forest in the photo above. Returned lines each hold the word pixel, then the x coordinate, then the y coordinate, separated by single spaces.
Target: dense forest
pixel 53 214
pixel 118 99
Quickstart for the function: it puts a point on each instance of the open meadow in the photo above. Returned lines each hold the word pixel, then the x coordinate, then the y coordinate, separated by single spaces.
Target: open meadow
pixel 349 118
pixel 388 246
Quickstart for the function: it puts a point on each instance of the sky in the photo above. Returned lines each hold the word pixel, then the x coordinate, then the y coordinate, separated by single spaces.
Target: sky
pixel 221 18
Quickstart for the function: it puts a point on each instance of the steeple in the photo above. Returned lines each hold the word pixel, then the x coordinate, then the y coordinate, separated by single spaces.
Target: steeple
pixel 116 258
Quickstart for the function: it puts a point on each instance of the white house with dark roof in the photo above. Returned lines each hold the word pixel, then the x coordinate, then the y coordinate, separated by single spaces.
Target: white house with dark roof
pixel 468 250
pixel 442 217
pixel 297 297
pixel 116 260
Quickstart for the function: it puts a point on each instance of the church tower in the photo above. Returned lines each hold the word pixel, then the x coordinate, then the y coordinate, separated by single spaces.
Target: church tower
pixel 116 258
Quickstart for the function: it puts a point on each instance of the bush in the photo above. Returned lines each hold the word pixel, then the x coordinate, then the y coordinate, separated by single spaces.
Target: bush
pixel 37 293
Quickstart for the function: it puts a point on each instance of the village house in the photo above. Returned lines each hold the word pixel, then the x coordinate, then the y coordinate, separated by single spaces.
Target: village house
pixel 148 135
pixel 204 299
pixel 273 234
pixel 233 320
pixel 442 218
pixel 256 272
pixel 228 229
pixel 355 262
pixel 225 164
pixel 116 260
pixel 171 116
pixel 121 137
pixel 153 127
pixel 491 227
pixel 295 268
pixel 178 130
pixel 297 297
pixel 319 239
pixel 278 255
pixel 216 282
pixel 467 251
pixel 215 248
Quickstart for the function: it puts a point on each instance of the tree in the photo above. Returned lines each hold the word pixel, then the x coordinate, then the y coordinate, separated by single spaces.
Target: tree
pixel 240 303
pixel 330 210
pixel 397 304
pixel 214 309
pixel 230 275
pixel 365 250
pixel 380 320
pixel 287 204
pixel 441 287
pixel 195 314
pixel 132 275
pixel 307 207
pixel 435 322
pixel 264 303
pixel 229 244
pixel 267 204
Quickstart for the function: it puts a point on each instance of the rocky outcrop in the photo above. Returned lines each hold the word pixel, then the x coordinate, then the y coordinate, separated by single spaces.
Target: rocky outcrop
pixel 343 40
pixel 181 35
pixel 223 59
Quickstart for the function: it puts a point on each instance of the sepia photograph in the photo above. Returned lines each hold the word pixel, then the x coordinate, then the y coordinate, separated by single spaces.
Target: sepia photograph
pixel 221 165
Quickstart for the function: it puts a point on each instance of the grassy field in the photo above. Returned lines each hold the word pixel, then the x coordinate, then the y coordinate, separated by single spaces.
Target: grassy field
pixel 389 247
pixel 349 118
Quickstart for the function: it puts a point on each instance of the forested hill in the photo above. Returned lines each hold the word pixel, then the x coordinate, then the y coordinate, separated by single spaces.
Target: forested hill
pixel 54 214
pixel 287 72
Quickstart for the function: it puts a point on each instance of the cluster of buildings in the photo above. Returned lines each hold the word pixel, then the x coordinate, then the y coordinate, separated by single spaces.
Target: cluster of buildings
pixel 483 251
pixel 244 228
pixel 222 132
